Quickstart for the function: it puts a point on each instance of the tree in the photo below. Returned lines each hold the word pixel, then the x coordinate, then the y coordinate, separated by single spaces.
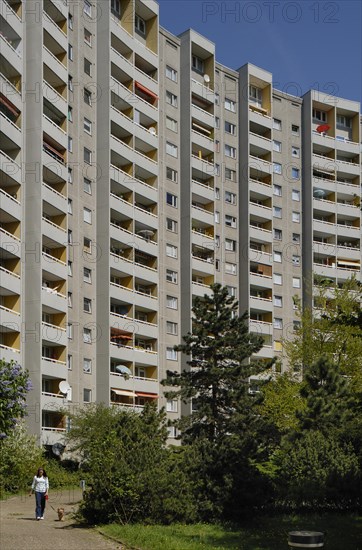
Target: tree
pixel 131 474
pixel 333 329
pixel 217 380
pixel 14 386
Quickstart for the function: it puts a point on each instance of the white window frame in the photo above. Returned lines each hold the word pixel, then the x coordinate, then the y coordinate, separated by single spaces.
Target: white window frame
pixel 140 25
pixel 87 186
pixel 230 268
pixel 277 190
pixel 87 126
pixel 171 276
pixel 87 365
pixel 171 73
pixel 171 174
pixel 230 151
pixel 230 197
pixel 171 149
pixel 171 354
pixel 171 225
pixel 171 302
pixel 230 105
pixel 171 328
pixel 87 335
pixel 198 64
pixel 171 124
pixel 277 146
pixel 230 128
pixel 87 275
pixel 87 305
pixel 277 256
pixel 296 195
pixel 173 198
pixel 296 282
pixel 277 212
pixel 277 168
pixel 278 301
pixel 171 99
pixel 171 250
pixel 277 124
pixel 87 215
pixel 295 152
pixel 277 278
pixel 296 217
pixel 230 221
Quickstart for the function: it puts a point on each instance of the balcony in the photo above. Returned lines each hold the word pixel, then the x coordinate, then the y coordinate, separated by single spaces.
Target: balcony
pixel 54 333
pixel 51 196
pixel 55 64
pixel 206 93
pixel 10 281
pixel 54 367
pixel 11 130
pixel 54 30
pixel 10 204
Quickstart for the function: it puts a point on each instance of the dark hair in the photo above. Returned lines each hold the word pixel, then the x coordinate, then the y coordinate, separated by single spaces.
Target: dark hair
pixel 44 472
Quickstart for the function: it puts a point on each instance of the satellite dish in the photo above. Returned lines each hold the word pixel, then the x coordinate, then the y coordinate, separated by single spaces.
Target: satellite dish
pixel 152 130
pixel 206 78
pixel 64 387
pixel 122 369
pixel 58 449
pixel 319 193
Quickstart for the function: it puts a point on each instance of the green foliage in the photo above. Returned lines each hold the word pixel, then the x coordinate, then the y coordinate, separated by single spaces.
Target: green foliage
pixel 317 470
pixel 333 331
pixel 14 386
pixel 20 458
pixel 217 379
pixel 131 474
pixel 60 475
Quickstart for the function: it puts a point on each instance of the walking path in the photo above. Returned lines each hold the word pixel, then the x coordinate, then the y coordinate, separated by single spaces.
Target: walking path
pixel 20 531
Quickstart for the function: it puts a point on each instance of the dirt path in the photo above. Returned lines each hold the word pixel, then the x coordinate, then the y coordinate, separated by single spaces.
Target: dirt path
pixel 20 531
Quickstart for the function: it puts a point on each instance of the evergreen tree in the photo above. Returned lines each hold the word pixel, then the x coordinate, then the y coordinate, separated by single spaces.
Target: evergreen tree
pixel 217 380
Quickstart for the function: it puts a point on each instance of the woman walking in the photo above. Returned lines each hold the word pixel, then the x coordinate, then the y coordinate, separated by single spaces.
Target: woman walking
pixel 40 487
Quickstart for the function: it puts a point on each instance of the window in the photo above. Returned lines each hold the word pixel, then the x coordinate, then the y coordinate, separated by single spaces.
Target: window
pixel 87 245
pixel 70 299
pixel 217 193
pixel 277 124
pixel 171 276
pixel 87 365
pixel 277 190
pixel 87 95
pixel 171 149
pixel 70 268
pixel 171 432
pixel 278 346
pixel 70 21
pixel 230 128
pixel 230 221
pixel 217 146
pixel 87 125
pixel 295 173
pixel 295 129
pixel 171 225
pixel 69 362
pixel 295 152
pixel 87 37
pixel 230 197
pixel 171 200
pixel 277 212
pixel 217 169
pixel 278 279
pixel 70 113
pixel 278 322
pixel 87 155
pixel 277 234
pixel 87 8
pixel 87 275
pixel 70 52
pixel 70 236
pixel 231 291
pixel 116 8
pixel 171 99
pixel 217 241
pixel 171 174
pixel 296 217
pixel 87 67
pixel 171 405
pixel 70 331
pixel 70 206
pixel 230 105
pixel 230 174
pixel 295 260
pixel 217 98
pixel 277 256
pixel 278 301
pixel 171 73
pixel 217 122
pixel 171 328
pixel 70 83
pixel 197 64
pixel 171 124
pixel 217 216
pixel 87 215
pixel 70 144
pixel 319 115
pixel 230 245
pixel 171 354
pixel 87 335
pixel 87 186
pixel 295 195
pixel 87 395
pixel 230 268
pixel 277 168
pixel 296 238
pixel 255 95
pixel 171 250
pixel 296 325
pixel 277 145
pixel 171 302
pixel 296 282
pixel 230 151
pixel 343 122
pixel 87 305
pixel 140 25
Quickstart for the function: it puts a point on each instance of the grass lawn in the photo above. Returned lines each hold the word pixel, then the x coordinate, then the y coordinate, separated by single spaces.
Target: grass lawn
pixel 343 532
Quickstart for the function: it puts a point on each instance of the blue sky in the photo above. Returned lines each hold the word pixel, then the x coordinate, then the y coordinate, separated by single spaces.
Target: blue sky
pixel 303 43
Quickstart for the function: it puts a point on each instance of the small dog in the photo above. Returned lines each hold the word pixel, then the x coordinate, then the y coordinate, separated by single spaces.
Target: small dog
pixel 60 512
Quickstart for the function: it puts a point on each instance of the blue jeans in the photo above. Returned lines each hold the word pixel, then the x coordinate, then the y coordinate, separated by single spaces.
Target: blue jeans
pixel 39 504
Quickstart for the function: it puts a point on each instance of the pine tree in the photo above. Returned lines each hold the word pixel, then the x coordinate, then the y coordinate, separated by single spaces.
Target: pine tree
pixel 217 380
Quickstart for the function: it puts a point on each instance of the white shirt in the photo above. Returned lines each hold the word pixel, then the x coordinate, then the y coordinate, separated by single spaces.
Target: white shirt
pixel 40 484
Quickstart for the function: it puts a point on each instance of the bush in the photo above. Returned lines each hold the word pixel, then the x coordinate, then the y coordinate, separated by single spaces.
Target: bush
pixel 61 474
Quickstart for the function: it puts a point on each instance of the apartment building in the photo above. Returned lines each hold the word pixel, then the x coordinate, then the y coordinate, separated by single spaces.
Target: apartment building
pixel 136 170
